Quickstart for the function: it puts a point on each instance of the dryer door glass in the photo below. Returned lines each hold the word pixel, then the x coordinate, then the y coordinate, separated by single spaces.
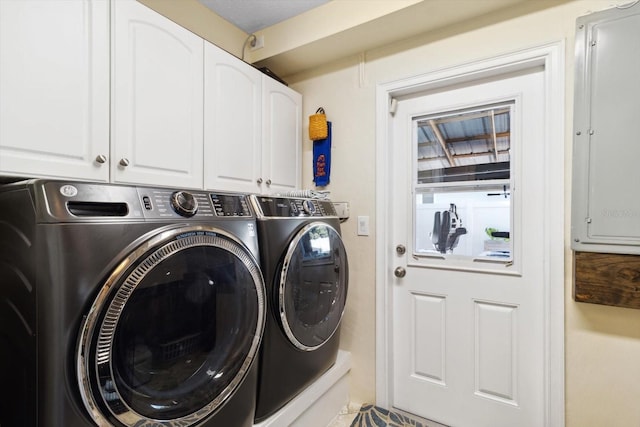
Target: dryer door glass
pixel 178 334
pixel 313 286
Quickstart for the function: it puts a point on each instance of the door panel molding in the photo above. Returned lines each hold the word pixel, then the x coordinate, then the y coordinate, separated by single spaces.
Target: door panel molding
pixel 496 344
pixel 428 330
pixel 551 58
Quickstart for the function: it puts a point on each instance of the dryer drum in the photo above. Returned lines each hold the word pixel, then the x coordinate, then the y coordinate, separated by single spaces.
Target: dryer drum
pixel 173 330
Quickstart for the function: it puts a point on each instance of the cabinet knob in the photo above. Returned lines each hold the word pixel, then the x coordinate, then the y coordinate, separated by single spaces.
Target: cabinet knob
pixel 101 158
pixel 259 180
pixel 268 182
pixel 124 162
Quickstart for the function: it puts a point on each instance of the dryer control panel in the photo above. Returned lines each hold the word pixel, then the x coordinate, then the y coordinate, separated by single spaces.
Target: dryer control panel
pixel 289 207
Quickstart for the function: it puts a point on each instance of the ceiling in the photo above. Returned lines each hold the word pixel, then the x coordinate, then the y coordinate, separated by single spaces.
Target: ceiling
pixel 299 35
pixel 254 15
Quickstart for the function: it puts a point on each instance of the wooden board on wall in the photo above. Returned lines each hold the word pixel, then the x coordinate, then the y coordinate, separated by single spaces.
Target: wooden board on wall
pixel 609 279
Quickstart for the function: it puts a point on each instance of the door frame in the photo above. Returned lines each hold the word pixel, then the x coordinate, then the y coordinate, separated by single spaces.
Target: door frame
pixel 551 57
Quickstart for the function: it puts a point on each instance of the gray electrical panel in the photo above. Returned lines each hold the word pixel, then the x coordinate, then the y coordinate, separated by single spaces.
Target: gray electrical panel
pixel 606 146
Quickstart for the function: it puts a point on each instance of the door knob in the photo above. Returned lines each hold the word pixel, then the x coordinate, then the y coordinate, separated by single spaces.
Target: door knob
pixel 400 272
pixel 400 249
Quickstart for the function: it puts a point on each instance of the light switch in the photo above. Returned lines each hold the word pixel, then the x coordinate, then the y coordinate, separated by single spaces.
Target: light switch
pixel 363 225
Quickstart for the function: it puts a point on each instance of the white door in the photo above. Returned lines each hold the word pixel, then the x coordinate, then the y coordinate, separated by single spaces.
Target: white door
pixel 54 89
pixel 468 314
pixel 157 105
pixel 282 137
pixel 232 125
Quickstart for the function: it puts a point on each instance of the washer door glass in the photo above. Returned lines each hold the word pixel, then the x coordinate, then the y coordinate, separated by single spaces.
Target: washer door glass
pixel 173 334
pixel 313 286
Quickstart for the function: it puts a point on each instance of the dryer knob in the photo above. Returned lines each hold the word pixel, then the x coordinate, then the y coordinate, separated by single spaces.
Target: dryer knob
pixel 184 203
pixel 309 207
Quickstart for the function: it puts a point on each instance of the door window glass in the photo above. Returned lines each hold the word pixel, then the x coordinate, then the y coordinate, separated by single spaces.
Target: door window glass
pixel 462 184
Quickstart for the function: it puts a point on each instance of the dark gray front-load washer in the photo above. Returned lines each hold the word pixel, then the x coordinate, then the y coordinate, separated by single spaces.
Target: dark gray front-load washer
pixel 304 262
pixel 127 306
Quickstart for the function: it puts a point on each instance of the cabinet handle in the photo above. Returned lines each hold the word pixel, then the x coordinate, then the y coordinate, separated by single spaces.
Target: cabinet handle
pixel 268 182
pixel 124 162
pixel 101 158
pixel 259 180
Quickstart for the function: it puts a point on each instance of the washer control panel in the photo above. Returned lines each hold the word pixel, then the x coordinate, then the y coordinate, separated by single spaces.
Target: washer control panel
pixel 167 203
pixel 86 202
pixel 198 204
pixel 289 207
pixel 230 204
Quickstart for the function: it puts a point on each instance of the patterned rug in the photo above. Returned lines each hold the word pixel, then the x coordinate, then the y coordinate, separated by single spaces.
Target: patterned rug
pixel 375 416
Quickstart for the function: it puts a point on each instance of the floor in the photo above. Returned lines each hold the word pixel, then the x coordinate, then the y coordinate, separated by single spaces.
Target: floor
pixel 372 416
pixel 346 416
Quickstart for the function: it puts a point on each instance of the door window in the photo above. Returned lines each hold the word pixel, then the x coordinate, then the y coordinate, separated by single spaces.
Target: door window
pixel 462 184
pixel 313 288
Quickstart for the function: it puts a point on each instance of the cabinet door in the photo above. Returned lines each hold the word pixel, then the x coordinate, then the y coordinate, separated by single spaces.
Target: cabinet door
pixel 54 86
pixel 282 137
pixel 157 104
pixel 232 126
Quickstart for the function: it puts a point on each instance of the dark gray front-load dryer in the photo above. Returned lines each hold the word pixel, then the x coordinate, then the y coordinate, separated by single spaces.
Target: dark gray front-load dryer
pixel 127 306
pixel 304 262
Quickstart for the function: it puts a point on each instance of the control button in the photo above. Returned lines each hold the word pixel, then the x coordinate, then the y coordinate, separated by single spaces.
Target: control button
pixel 147 203
pixel 309 207
pixel 184 203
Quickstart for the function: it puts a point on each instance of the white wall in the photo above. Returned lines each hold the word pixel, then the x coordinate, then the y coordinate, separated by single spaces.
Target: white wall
pixel 602 343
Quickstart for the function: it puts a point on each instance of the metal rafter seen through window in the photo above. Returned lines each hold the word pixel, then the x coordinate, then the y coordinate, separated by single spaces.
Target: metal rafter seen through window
pixel 483 140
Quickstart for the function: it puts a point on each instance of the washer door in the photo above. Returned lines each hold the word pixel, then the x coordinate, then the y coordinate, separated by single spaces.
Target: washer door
pixel 173 330
pixel 313 286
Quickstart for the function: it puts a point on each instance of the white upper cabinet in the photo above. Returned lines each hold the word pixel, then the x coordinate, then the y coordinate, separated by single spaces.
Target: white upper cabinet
pixel 157 99
pixel 232 125
pixel 282 137
pixel 54 88
pixel 252 128
pixel 113 91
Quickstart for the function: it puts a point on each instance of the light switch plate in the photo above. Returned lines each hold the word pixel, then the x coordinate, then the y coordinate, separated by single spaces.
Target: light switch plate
pixel 363 225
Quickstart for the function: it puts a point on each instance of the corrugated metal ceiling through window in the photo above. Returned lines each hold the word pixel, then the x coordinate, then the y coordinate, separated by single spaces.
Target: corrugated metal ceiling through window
pixel 466 146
